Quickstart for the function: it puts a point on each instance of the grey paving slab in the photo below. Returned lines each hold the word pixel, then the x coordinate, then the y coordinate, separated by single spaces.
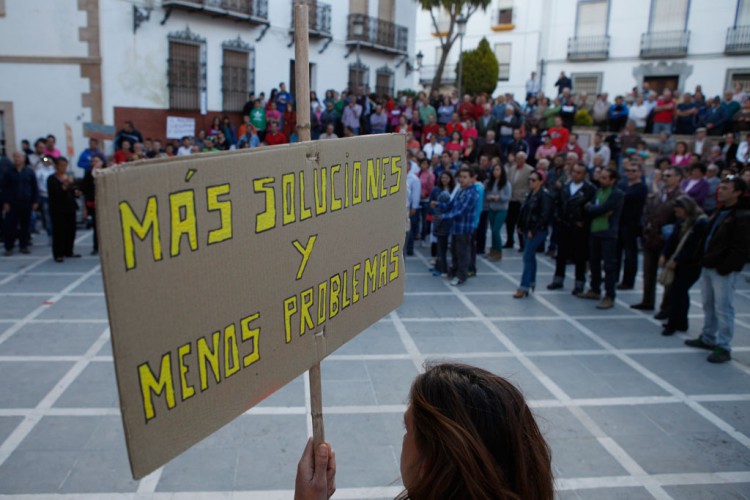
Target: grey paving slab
pixel 573 306
pixel 76 307
pixel 425 283
pixel 30 472
pixel 100 472
pixel 62 339
pixel 95 387
pixel 610 494
pixel 680 369
pixel 15 307
pixel 14 264
pixel 442 336
pixel 200 469
pixel 391 380
pixel 106 349
pixel 739 491
pixel 81 265
pixel 380 338
pixel 597 376
pixel 60 434
pixel 735 413
pixel 500 306
pixel 92 284
pixel 8 425
pixel 443 306
pixel 292 394
pixel 24 384
pixel 545 335
pixel 636 333
pixel 36 284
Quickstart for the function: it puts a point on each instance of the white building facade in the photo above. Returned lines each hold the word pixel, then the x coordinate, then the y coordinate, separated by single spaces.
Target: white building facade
pixel 608 45
pixel 108 61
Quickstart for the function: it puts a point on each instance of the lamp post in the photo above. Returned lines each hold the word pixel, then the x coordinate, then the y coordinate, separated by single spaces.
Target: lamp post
pixel 461 22
pixel 358 30
pixel 420 58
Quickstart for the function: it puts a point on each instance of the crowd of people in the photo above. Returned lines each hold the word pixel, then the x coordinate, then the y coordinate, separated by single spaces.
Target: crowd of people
pixel 480 164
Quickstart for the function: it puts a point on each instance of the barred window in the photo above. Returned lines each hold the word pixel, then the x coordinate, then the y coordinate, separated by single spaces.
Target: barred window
pixel 238 74
pixel 359 76
pixel 384 82
pixel 505 12
pixel 186 77
pixel 502 53
pixel 587 83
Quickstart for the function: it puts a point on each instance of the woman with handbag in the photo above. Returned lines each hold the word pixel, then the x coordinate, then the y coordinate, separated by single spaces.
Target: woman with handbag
pixel 680 261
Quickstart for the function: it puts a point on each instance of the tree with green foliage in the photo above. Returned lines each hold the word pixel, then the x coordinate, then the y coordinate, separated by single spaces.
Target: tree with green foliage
pixel 453 9
pixel 480 70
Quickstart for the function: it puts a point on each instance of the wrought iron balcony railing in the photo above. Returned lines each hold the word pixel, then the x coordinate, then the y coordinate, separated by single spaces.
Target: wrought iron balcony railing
pixel 665 44
pixel 427 73
pixel 319 18
pixel 588 48
pixel 738 40
pixel 377 34
pixel 255 11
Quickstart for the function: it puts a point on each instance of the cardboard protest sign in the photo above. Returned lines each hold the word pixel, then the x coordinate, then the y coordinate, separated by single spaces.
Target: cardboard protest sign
pixel 179 127
pixel 221 270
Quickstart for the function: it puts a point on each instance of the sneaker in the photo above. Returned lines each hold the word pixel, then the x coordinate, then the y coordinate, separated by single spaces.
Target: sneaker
pixel 699 344
pixel 591 295
pixel 606 303
pixel 456 282
pixel 719 356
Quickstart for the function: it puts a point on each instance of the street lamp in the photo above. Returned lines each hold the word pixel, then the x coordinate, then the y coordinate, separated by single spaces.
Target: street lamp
pixel 461 22
pixel 420 57
pixel 358 31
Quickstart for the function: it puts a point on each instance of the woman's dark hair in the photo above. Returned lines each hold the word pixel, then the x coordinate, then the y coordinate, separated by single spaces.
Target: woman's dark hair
pixel 501 181
pixel 699 166
pixel 451 183
pixel 684 145
pixel 476 437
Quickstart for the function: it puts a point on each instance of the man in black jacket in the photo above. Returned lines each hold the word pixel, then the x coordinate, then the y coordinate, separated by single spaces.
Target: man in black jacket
pixel 631 223
pixel 725 251
pixel 20 195
pixel 604 211
pixel 573 228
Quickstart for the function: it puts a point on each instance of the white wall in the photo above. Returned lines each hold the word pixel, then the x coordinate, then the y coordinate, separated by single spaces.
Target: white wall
pixel 42 28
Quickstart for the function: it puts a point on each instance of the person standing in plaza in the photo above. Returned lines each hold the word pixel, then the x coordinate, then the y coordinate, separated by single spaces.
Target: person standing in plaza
pixel 351 115
pixel 574 228
pixel 604 211
pixel 724 254
pixel 682 261
pixel 62 208
pixel 88 189
pixel 659 219
pixel 497 196
pixel 631 223
pixel 461 211
pixel 533 223
pixel 20 196
pixel 518 175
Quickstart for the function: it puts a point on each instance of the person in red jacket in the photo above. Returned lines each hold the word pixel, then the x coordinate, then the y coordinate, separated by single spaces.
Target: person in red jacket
pixel 664 113
pixel 274 137
pixel 559 134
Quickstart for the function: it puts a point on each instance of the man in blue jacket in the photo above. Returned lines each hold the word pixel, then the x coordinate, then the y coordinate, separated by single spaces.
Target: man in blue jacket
pixel 461 210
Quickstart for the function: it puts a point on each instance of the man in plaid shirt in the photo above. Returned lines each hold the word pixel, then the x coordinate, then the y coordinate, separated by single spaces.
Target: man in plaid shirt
pixel 461 211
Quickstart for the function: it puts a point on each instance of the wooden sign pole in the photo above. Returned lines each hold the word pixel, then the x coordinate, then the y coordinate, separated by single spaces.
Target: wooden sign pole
pixel 302 91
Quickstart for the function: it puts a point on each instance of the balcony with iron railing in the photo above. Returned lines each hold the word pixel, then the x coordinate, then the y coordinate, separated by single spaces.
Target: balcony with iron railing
pixel 319 20
pixel 665 44
pixel 427 73
pixel 376 34
pixel 738 40
pixel 253 11
pixel 588 48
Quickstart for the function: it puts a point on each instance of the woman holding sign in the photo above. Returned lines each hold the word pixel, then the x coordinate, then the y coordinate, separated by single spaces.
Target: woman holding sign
pixel 469 435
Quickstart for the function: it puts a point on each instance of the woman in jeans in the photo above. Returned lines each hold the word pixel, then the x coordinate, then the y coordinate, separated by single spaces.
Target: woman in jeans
pixel 442 229
pixel 691 226
pixel 496 198
pixel 533 224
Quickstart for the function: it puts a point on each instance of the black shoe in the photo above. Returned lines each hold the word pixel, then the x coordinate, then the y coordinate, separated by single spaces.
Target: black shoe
pixel 667 331
pixel 699 344
pixel 661 315
pixel 554 286
pixel 719 356
pixel 577 291
pixel 508 245
pixel 94 252
pixel 623 286
pixel 642 307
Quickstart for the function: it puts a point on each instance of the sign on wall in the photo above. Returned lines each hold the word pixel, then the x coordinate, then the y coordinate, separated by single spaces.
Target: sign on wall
pixel 228 275
pixel 179 127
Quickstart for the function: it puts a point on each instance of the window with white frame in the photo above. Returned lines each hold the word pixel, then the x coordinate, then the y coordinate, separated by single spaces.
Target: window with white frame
pixel 668 15
pixel 743 13
pixel 443 20
pixel 587 83
pixel 505 12
pixel 502 53
pixel 592 18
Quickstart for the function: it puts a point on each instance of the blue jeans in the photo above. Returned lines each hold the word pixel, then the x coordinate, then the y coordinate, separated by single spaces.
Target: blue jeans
pixel 718 308
pixel 528 278
pixel 662 127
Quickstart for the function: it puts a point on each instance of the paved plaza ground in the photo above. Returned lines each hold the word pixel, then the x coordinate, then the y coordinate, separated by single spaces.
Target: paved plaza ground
pixel 628 413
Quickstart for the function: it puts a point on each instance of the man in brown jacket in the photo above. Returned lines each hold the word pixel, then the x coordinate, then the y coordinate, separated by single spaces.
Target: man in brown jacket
pixel 658 216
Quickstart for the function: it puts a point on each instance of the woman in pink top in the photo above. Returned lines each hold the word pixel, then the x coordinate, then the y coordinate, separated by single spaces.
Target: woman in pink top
pixel 681 156
pixel 469 130
pixel 273 114
pixel 546 150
